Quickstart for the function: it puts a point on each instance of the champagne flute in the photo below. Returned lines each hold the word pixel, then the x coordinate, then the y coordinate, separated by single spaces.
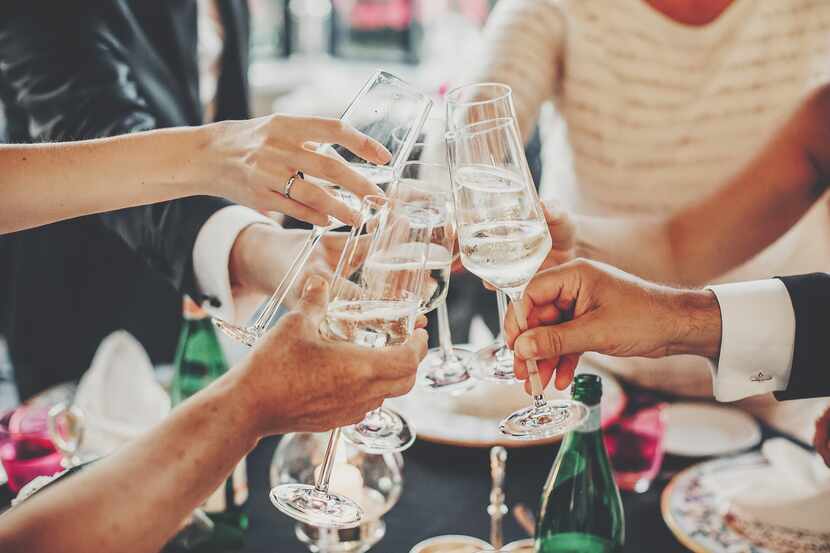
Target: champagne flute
pixel 467 105
pixel 374 303
pixel 385 105
pixel 504 239
pixel 383 430
pixel 428 185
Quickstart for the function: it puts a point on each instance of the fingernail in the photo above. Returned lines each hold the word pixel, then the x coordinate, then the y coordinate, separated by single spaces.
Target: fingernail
pixel 525 348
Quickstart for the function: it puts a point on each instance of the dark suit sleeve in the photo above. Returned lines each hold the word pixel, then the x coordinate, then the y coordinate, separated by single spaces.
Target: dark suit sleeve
pixel 65 67
pixel 810 375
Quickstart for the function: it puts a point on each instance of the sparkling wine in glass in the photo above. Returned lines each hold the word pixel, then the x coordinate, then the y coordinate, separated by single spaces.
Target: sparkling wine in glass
pixel 375 299
pixel 467 105
pixel 428 185
pixel 387 109
pixel 504 239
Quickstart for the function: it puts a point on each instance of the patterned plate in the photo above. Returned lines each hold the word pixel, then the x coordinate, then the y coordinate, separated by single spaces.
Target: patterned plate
pixel 699 517
pixel 472 418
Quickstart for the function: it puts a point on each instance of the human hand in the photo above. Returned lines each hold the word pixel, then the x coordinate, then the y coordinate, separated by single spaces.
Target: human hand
pixel 251 161
pixel 296 381
pixel 607 311
pixel 262 254
pixel 821 439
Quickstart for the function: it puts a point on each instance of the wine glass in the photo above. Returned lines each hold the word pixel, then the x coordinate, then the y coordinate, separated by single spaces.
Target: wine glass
pixel 467 105
pixel 375 297
pixel 428 185
pixel 383 430
pixel 504 239
pixel 384 105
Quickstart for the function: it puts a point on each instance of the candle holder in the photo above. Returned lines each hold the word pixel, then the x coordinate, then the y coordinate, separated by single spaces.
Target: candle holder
pixel 374 481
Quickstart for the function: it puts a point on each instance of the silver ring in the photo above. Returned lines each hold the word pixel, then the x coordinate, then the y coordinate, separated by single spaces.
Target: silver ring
pixel 290 182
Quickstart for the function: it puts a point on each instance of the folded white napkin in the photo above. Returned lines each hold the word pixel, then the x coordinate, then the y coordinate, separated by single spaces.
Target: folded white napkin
pixel 792 491
pixel 119 395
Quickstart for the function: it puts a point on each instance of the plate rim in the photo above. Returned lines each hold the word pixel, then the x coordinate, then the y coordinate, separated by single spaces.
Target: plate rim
pixel 710 406
pixel 518 443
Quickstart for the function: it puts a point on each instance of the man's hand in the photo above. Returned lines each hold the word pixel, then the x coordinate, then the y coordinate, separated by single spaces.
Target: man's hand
pixel 608 311
pixel 262 254
pixel 821 439
pixel 296 381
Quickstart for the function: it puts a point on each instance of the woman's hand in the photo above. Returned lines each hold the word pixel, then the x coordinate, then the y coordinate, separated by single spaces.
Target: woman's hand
pixel 251 161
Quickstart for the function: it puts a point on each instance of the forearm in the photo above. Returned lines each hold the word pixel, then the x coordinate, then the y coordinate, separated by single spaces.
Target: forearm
pixel 44 183
pixel 136 499
pixel 524 42
pixel 639 246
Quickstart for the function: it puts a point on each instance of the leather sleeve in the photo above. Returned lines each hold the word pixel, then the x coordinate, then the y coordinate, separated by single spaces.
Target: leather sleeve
pixel 65 65
pixel 810 375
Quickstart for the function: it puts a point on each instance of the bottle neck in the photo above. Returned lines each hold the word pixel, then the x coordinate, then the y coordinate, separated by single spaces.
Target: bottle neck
pixel 593 422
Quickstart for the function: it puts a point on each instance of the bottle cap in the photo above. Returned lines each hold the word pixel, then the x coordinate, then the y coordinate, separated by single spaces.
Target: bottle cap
pixel 587 388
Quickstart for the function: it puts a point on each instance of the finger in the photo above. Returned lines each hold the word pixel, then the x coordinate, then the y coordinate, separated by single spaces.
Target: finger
pixel 314 300
pixel 396 362
pixel 576 336
pixel 546 369
pixel 421 321
pixel 320 200
pixel 335 171
pixel 274 200
pixel 334 131
pixel 565 371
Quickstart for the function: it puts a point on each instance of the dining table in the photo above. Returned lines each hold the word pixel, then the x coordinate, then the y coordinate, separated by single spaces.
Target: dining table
pixel 446 491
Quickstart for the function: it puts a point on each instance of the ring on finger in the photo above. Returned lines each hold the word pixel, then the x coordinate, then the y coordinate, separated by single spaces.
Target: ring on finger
pixel 290 183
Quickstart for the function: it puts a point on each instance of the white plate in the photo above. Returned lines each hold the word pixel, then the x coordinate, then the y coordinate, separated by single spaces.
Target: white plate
pixel 472 418
pixel 704 430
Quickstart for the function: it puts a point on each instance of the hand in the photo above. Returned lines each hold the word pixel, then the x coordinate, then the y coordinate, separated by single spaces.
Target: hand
pixel 296 381
pixel 821 439
pixel 250 162
pixel 562 230
pixel 262 254
pixel 562 233
pixel 607 311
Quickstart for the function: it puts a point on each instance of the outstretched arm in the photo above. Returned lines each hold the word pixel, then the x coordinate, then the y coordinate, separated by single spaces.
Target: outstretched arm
pixel 756 206
pixel 293 381
pixel 245 161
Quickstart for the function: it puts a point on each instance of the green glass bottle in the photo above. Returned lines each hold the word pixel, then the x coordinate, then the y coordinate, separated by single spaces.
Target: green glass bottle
pixel 581 510
pixel 199 361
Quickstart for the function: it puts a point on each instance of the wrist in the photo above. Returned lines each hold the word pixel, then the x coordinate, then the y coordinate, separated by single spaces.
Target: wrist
pixel 250 249
pixel 695 323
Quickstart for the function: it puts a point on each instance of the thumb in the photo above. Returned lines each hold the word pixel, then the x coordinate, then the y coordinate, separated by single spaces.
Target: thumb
pixel 572 337
pixel 315 299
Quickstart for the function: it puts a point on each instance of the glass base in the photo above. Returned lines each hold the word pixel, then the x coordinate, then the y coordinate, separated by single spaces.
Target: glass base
pixel 309 505
pixel 545 421
pixel 494 363
pixel 382 432
pixel 450 374
pixel 246 335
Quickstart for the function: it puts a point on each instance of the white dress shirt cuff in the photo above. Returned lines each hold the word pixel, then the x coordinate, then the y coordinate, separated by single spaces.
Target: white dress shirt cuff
pixel 757 339
pixel 212 252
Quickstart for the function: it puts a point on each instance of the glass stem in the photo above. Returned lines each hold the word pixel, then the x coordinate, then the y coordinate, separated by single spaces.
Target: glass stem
pixel 322 483
pixel 266 316
pixel 501 297
pixel 444 333
pixel 532 369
